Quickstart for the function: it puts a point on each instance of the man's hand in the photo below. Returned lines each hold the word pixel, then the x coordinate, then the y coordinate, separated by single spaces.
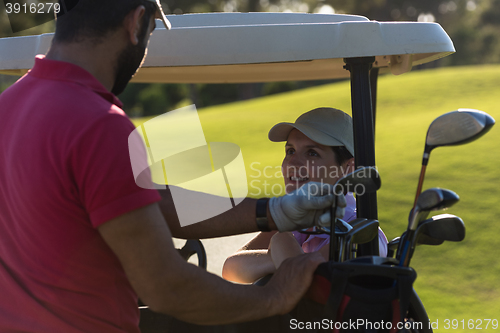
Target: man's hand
pixel 306 206
pixel 292 279
pixel 168 284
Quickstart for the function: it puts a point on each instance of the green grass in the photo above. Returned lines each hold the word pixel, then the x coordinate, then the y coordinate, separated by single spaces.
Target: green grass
pixel 455 280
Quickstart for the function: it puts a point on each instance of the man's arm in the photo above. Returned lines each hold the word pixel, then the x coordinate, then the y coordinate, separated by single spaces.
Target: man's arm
pixel 239 220
pixel 300 209
pixel 164 281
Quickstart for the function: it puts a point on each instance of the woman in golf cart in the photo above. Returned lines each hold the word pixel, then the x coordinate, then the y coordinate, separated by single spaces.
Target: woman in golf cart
pixel 319 147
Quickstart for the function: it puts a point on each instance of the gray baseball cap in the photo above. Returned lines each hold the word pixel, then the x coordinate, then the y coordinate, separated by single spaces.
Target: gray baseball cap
pixel 160 15
pixel 326 126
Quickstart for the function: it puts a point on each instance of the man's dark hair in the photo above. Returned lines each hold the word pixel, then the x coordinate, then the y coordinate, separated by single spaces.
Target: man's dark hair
pixel 93 19
pixel 342 154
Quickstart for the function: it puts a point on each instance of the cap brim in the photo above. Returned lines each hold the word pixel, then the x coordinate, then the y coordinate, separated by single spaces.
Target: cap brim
pixel 280 132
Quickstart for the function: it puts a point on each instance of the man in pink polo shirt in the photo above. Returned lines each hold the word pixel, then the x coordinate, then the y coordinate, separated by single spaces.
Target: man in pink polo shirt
pixel 79 240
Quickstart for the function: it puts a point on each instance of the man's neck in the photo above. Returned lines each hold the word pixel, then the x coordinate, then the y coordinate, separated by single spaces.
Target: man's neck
pixel 98 59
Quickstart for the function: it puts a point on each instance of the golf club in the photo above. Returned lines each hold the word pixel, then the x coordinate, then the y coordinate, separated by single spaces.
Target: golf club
pixel 433 231
pixel 429 200
pixel 437 229
pixel 393 246
pixel 446 227
pixel 342 229
pixel 363 231
pixel 365 178
pixel 451 129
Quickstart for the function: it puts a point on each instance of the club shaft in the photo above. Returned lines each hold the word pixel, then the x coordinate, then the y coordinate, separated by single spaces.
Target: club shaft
pixel 333 237
pixel 420 184
pixel 333 244
pixel 341 249
pixel 406 249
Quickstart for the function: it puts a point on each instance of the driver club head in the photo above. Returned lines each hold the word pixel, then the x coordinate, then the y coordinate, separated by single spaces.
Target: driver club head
pixel 457 127
pixel 362 180
pixel 451 129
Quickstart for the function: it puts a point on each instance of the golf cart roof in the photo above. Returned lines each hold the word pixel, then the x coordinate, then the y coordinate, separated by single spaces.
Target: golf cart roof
pixel 262 47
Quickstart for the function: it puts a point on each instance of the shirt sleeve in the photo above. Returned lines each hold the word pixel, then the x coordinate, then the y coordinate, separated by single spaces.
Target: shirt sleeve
pixel 382 243
pixel 103 172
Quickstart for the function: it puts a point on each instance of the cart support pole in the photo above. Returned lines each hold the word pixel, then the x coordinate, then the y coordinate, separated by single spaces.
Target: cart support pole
pixel 364 137
pixel 373 89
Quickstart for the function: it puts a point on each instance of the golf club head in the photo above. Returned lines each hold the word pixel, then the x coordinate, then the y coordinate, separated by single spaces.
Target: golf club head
pixel 342 227
pixel 422 239
pixel 357 221
pixel 436 199
pixel 437 229
pixel 427 240
pixel 444 227
pixel 362 180
pixel 364 231
pixel 393 246
pixel 431 200
pixel 457 127
pixel 453 128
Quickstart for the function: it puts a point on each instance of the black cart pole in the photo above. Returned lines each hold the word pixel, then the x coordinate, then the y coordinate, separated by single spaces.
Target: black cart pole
pixel 373 89
pixel 364 137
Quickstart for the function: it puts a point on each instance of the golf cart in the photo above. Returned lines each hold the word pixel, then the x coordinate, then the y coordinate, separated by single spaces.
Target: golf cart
pixel 266 47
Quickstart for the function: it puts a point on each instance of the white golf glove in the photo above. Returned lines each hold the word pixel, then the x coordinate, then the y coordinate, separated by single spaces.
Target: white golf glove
pixel 306 206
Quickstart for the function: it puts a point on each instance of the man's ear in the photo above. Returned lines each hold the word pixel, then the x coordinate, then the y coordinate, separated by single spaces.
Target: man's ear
pixel 133 24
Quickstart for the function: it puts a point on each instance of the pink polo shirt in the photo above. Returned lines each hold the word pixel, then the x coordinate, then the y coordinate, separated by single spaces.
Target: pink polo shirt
pixel 64 171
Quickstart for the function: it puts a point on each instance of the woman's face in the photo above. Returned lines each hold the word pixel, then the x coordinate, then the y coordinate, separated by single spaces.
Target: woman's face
pixel 306 160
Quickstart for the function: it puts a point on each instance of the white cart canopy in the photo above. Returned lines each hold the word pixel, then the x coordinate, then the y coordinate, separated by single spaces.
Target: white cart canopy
pixel 262 47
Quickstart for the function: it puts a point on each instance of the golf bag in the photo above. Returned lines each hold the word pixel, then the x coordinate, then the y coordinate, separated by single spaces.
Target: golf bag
pixel 368 294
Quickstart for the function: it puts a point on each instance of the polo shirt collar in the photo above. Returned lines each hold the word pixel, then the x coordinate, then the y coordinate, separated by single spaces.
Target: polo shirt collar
pixel 65 71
